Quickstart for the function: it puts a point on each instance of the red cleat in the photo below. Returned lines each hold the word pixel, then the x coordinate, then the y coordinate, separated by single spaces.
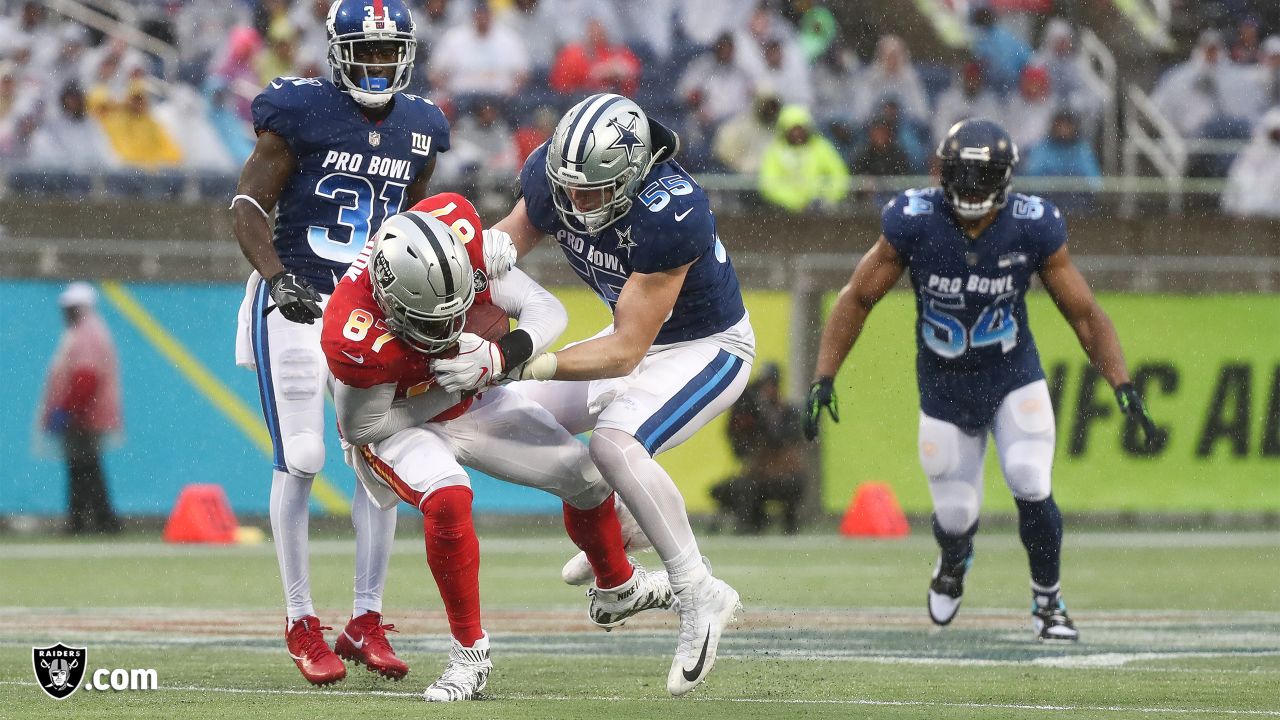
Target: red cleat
pixel 364 640
pixel 311 653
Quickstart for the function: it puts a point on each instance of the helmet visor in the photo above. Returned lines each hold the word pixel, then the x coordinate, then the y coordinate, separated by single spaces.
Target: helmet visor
pixel 974 181
pixel 437 330
pixel 593 207
pixel 424 333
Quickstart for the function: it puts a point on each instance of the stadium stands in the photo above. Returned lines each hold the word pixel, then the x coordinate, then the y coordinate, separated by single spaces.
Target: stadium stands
pixel 154 95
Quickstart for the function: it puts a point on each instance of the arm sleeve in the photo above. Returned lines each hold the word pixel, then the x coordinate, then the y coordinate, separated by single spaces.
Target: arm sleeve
pixel 537 312
pixel 535 188
pixel 899 222
pixel 1050 233
pixel 271 112
pixel 664 242
pixel 367 415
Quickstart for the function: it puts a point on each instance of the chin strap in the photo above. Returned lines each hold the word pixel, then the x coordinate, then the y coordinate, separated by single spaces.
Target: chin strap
pixel 363 98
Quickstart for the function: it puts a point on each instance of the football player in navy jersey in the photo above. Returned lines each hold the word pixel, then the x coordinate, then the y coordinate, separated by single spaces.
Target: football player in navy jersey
pixel 639 231
pixel 971 248
pixel 334 157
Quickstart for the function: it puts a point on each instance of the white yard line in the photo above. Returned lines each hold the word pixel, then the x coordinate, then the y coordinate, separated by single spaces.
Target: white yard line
pixel 869 702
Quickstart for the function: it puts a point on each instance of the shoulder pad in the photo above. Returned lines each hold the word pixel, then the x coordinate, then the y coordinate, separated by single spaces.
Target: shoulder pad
pixel 276 107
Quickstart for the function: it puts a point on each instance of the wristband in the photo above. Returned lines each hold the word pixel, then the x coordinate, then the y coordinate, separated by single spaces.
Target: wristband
pixel 516 347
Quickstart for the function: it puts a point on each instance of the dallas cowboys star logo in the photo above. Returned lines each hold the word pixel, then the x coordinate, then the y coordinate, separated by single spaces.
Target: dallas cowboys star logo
pixel 627 138
pixel 624 239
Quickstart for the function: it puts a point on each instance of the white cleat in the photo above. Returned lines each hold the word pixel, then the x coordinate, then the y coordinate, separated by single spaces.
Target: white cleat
pixel 465 676
pixel 705 609
pixel 646 590
pixel 578 571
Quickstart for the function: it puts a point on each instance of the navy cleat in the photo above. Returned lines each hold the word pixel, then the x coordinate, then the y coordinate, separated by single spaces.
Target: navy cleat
pixel 945 590
pixel 1050 620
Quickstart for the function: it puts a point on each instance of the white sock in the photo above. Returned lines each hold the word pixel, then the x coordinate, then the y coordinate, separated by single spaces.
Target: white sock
pixel 290 515
pixel 375 532
pixel 653 499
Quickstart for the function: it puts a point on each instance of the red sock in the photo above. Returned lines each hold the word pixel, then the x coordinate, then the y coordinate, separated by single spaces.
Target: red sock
pixel 598 533
pixel 453 552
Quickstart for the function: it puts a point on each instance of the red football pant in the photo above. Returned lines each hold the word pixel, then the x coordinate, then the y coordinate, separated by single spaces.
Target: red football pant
pixel 453 553
pixel 598 533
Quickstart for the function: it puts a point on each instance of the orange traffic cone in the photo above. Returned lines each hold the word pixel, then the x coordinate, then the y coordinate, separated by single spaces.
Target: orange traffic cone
pixel 874 512
pixel 201 515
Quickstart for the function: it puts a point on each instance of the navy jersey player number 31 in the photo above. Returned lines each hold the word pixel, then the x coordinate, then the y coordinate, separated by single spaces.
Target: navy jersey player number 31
pixel 334 158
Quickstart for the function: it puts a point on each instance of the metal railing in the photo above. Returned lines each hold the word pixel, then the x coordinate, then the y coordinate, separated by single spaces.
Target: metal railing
pixel 1150 135
pixel 1103 82
pixel 201 186
pixel 102 22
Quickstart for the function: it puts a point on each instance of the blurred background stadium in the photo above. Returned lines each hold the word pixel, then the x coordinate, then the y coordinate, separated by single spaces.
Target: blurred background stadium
pixel 1154 123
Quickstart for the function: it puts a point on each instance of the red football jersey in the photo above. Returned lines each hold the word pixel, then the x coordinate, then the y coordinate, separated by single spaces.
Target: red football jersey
pixel 360 349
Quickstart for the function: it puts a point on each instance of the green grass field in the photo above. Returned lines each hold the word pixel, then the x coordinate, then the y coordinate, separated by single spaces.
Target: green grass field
pixel 1173 625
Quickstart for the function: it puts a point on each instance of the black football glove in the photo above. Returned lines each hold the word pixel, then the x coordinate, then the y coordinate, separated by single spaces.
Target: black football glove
pixel 822 394
pixel 297 300
pixel 1132 406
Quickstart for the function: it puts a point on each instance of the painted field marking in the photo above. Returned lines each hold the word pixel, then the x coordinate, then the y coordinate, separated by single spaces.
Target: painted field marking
pixel 207 384
pixel 868 702
pixel 550 544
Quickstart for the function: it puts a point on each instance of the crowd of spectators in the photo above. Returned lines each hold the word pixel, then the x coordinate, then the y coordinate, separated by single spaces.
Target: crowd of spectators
pixel 770 88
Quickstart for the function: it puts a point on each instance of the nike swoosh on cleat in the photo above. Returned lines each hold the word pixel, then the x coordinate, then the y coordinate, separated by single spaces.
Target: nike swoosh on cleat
pixel 356 643
pixel 692 675
pixel 681 216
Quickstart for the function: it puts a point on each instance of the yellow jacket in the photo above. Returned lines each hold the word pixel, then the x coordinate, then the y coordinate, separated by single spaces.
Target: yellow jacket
pixel 795 176
pixel 138 139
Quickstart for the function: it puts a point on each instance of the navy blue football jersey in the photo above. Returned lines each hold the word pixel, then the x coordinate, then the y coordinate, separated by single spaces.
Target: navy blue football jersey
pixel 670 224
pixel 351 172
pixel 973 343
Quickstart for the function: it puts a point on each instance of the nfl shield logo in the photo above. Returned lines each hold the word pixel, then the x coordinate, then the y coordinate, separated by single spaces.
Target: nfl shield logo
pixel 59 669
pixel 375 138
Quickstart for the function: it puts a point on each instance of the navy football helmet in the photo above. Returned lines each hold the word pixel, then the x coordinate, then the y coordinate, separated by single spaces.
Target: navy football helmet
pixel 977 167
pixel 371 48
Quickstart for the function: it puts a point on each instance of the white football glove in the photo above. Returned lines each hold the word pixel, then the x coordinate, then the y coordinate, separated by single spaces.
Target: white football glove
pixel 499 252
pixel 478 363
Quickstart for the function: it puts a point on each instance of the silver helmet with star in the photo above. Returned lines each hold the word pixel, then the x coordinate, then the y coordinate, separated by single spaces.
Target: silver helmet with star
pixel 596 160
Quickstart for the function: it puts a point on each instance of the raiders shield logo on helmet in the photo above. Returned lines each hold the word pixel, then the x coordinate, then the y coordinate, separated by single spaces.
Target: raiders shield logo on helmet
pixel 59 669
pixel 479 280
pixel 382 271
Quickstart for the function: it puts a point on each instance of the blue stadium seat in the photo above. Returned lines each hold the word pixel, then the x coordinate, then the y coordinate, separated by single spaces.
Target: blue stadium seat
pixel 49 182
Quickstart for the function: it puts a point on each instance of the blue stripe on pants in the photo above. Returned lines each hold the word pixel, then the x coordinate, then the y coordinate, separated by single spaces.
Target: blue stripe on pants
pixel 685 405
pixel 266 390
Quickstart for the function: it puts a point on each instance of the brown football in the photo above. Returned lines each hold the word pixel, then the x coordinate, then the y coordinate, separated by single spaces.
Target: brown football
pixel 488 321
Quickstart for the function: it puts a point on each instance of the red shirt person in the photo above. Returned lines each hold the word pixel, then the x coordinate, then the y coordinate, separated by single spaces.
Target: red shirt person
pixel 596 65
pixel 81 403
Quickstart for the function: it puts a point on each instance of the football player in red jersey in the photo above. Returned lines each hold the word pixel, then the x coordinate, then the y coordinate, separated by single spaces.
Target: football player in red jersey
pixel 409 298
